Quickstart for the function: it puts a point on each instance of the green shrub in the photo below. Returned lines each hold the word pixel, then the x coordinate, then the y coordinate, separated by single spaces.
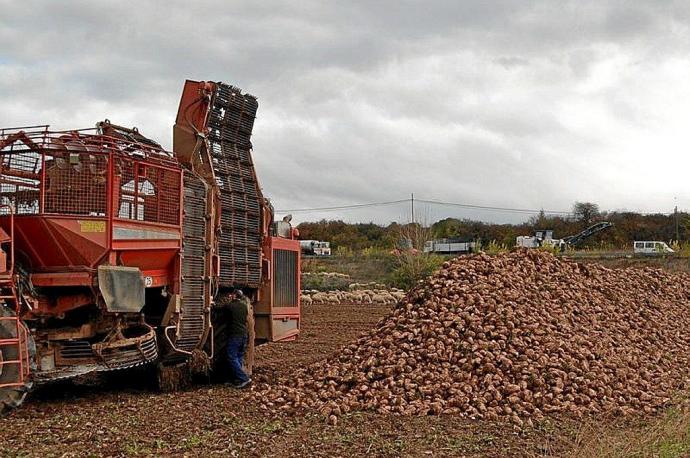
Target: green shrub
pixel 553 249
pixel 344 252
pixel 412 267
pixel 374 252
pixel 682 249
pixel 493 247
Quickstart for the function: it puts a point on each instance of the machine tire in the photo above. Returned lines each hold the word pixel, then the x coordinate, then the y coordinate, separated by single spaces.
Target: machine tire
pixel 12 397
pixel 173 377
pixel 219 364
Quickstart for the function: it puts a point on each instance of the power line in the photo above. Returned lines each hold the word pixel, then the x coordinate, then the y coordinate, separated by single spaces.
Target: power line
pixel 343 207
pixel 432 202
pixel 501 209
pixel 448 204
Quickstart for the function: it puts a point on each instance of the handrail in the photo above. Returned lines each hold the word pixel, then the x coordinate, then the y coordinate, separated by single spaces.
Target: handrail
pixel 89 138
pixel 4 130
pixel 21 338
pixel 11 213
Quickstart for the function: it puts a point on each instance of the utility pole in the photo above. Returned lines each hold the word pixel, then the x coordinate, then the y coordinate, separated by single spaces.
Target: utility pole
pixel 412 204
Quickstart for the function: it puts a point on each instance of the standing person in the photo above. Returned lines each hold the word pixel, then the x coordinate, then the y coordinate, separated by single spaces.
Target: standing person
pixel 237 338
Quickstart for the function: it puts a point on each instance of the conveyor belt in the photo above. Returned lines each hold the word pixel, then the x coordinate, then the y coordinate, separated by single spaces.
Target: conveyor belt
pixel 230 126
pixel 193 322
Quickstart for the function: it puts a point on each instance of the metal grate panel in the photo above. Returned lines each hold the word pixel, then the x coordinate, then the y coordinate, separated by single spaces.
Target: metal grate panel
pixel 20 181
pixel 75 184
pixel 192 324
pixel 285 271
pixel 68 173
pixel 147 193
pixel 230 127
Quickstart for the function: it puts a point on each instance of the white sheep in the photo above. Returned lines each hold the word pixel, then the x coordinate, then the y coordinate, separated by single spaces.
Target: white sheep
pixel 319 298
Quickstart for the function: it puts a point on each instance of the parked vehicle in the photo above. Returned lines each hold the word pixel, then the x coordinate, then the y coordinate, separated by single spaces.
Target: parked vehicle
pixel 315 248
pixel 449 246
pixel 545 238
pixel 651 248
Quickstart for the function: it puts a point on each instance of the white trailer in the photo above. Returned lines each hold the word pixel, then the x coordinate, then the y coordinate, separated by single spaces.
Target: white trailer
pixel 446 246
pixel 539 239
pixel 315 248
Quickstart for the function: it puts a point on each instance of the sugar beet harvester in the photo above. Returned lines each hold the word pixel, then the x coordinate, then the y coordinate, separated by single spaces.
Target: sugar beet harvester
pixel 116 252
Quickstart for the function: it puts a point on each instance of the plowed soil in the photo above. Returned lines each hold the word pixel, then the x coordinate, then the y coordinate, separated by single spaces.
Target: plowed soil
pixel 118 417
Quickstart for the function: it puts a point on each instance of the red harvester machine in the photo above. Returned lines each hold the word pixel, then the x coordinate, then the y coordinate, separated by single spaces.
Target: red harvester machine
pixel 115 251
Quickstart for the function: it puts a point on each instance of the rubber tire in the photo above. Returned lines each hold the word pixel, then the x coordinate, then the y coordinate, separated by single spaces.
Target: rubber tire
pixel 13 397
pixel 171 378
pixel 220 369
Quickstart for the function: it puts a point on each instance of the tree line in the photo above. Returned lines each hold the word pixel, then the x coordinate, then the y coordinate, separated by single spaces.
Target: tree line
pixel 628 227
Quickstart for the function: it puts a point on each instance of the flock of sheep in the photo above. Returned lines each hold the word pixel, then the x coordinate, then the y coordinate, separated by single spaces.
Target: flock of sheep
pixel 357 293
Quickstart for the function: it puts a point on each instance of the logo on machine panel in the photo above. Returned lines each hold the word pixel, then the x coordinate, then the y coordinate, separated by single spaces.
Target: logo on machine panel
pixel 87 226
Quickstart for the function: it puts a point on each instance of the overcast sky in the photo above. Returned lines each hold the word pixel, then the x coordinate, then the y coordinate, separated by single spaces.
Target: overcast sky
pixel 529 104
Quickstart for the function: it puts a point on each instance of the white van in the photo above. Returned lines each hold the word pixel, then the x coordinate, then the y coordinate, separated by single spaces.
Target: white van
pixel 651 247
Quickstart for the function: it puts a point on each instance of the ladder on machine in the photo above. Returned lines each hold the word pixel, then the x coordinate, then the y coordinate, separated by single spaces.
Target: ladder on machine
pixel 14 340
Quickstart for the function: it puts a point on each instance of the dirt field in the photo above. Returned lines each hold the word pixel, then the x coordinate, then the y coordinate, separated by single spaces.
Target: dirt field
pixel 117 417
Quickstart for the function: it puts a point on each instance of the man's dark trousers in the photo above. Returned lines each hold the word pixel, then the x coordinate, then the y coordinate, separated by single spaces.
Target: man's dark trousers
pixel 236 347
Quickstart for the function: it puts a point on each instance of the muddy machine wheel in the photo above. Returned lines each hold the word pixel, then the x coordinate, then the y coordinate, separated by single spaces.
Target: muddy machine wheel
pixel 12 397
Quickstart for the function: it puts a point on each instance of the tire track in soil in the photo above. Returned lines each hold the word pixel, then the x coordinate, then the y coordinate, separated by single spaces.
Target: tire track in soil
pixel 325 328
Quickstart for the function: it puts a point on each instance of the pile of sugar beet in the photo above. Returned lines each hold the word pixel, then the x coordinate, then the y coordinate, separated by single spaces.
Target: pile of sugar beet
pixel 517 336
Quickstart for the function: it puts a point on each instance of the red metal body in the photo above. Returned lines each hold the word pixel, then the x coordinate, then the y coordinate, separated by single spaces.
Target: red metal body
pixel 278 307
pixel 83 199
pixel 118 249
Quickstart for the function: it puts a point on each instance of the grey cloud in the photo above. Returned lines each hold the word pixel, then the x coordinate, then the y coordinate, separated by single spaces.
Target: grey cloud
pixel 528 104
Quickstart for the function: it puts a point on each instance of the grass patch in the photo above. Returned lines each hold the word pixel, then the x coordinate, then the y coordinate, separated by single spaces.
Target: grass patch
pixel 667 436
pixel 361 269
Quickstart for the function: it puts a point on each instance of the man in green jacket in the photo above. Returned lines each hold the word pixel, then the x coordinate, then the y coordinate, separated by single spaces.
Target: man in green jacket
pixel 238 337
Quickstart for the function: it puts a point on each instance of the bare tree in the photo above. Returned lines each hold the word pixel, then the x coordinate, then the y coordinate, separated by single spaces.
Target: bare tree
pixel 412 263
pixel 539 221
pixel 414 236
pixel 585 212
